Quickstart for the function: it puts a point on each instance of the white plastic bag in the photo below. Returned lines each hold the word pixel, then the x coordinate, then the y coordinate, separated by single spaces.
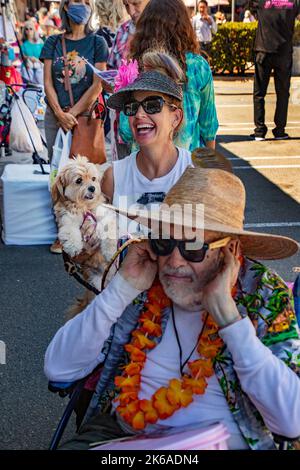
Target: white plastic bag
pixel 24 133
pixel 61 152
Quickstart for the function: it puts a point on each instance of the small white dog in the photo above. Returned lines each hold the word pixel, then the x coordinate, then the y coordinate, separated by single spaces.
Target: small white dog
pixel 77 199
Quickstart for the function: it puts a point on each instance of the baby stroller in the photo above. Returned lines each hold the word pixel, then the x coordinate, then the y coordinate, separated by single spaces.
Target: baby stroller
pixel 30 96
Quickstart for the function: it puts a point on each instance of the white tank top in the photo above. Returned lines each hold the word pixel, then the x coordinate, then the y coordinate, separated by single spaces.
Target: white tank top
pixel 138 189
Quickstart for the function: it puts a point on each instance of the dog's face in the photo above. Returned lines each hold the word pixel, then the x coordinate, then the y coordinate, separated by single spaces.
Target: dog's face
pixel 78 182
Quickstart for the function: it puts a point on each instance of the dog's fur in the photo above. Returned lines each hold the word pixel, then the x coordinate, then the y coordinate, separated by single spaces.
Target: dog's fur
pixel 77 191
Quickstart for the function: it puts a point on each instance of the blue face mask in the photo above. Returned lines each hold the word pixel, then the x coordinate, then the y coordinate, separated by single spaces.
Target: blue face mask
pixel 79 13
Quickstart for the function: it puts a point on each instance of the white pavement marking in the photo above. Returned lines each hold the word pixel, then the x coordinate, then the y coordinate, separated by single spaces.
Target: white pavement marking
pixel 248 159
pixel 273 224
pixel 258 167
pixel 223 127
pixel 250 123
pixel 234 105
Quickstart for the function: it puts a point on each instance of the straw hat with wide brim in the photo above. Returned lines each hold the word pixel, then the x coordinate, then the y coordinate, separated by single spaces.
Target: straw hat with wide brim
pixel 222 195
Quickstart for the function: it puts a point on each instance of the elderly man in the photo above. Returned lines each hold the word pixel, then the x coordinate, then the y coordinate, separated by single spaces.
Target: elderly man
pixel 190 334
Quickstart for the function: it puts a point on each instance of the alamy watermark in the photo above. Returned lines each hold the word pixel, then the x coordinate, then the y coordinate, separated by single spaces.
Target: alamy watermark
pixel 2 352
pixel 178 221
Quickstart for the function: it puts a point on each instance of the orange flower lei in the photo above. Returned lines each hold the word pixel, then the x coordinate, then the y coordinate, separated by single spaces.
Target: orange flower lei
pixel 179 392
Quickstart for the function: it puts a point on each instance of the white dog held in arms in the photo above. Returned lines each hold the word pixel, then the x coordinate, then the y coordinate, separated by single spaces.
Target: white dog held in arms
pixel 77 199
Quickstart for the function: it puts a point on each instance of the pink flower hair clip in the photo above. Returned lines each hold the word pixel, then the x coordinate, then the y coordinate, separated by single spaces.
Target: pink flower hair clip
pixel 127 74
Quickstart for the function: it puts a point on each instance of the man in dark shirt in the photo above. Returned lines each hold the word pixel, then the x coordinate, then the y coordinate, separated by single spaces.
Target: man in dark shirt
pixel 273 52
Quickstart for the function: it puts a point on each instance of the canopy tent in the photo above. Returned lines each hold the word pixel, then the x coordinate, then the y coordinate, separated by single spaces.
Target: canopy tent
pixel 216 3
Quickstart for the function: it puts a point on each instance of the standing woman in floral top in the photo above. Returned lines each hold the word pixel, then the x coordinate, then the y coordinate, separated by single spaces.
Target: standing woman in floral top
pixel 167 25
pixel 81 42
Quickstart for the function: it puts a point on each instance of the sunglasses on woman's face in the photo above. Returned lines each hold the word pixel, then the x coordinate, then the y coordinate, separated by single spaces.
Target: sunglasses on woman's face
pixel 164 247
pixel 151 105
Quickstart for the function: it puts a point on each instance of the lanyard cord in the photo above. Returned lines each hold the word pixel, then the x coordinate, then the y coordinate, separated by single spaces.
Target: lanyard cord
pixel 178 341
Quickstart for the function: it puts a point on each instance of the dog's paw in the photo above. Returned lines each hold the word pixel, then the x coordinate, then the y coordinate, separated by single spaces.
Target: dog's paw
pixel 72 248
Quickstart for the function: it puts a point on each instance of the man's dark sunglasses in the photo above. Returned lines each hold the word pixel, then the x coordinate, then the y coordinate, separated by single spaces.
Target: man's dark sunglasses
pixel 151 105
pixel 164 247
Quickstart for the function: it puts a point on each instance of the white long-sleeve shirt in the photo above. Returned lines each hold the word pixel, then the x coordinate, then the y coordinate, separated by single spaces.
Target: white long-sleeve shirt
pixel 203 29
pixel 269 383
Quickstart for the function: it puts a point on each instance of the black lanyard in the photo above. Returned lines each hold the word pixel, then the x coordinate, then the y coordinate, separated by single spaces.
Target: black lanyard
pixel 182 365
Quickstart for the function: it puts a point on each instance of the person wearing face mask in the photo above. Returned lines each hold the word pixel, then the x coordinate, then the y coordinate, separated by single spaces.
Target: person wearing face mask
pixel 81 43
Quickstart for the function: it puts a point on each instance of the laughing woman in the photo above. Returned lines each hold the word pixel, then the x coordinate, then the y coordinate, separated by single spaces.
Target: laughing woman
pixel 153 104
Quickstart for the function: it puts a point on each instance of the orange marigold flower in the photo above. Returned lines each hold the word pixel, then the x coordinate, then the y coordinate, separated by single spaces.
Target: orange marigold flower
pixel 150 327
pixel 201 368
pixel 150 412
pixel 127 412
pixel 208 350
pixel 136 354
pixel 148 316
pixel 138 421
pixel 197 386
pixel 178 396
pixel 210 323
pixel 162 404
pixel 127 397
pixel 154 309
pixel 128 382
pixel 141 341
pixel 133 368
pixel 211 337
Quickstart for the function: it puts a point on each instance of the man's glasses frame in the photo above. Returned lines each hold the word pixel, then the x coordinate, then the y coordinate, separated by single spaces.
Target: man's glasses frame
pixel 164 247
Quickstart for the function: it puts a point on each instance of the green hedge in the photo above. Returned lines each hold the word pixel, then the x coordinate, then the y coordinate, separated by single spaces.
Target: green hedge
pixel 232 47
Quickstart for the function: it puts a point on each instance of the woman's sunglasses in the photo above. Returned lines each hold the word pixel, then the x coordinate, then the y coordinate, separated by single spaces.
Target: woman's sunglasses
pixel 164 247
pixel 151 105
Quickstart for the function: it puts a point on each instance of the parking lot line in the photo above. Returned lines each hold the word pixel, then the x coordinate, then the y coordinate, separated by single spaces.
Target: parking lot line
pixel 272 224
pixel 241 123
pixel 267 157
pixel 261 167
pixel 232 129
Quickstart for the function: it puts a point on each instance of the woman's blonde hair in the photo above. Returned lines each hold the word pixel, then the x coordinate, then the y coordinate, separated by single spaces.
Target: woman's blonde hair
pixel 161 61
pixel 36 36
pixel 110 13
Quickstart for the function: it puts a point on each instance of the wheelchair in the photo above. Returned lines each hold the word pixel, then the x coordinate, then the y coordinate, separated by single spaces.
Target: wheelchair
pixel 78 394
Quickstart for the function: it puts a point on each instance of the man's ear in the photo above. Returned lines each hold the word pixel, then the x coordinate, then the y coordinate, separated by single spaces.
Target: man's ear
pixel 58 188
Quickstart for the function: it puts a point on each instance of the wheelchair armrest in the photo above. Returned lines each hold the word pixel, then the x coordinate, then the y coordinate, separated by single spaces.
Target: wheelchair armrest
pixel 62 388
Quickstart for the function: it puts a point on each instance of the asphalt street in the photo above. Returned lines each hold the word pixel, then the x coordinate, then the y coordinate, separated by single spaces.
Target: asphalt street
pixel 36 292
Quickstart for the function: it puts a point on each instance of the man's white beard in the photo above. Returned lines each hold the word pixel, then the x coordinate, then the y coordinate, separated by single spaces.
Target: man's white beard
pixel 186 298
pixel 189 295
